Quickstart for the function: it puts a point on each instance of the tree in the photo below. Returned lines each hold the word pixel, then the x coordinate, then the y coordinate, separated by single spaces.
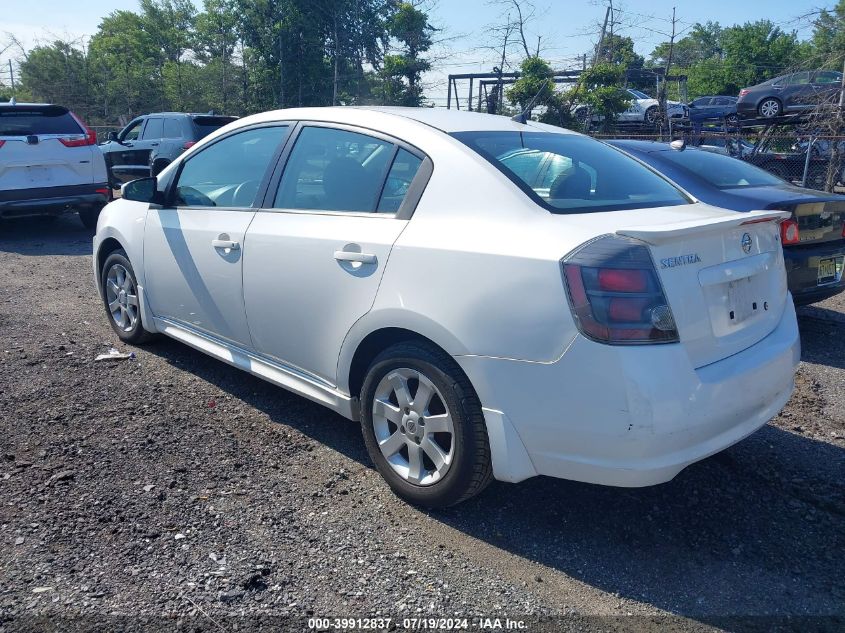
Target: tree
pixel 401 72
pixel 601 93
pixel 619 49
pixel 828 39
pixel 59 73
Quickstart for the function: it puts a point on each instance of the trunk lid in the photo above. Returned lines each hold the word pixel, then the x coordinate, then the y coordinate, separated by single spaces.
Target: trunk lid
pixel 723 277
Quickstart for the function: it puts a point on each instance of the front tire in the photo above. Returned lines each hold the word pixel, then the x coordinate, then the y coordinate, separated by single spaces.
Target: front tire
pixel 120 298
pixel 423 426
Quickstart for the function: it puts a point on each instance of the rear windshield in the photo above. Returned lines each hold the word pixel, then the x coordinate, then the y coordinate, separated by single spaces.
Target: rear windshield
pixel 719 170
pixel 29 120
pixel 205 125
pixel 568 173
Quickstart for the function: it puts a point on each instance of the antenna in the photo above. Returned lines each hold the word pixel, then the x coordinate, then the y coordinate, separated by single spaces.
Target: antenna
pixel 522 117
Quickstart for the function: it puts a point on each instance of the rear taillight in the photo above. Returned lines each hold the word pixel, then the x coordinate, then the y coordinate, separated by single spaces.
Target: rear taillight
pixel 615 294
pixel 89 138
pixel 2 143
pixel 789 233
pixel 189 144
pixel 743 92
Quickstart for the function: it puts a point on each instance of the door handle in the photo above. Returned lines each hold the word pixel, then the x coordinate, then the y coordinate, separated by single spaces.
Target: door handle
pixel 232 245
pixel 154 144
pixel 351 256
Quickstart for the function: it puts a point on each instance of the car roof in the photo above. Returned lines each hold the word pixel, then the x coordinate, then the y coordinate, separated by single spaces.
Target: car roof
pixel 20 104
pixel 190 114
pixel 448 121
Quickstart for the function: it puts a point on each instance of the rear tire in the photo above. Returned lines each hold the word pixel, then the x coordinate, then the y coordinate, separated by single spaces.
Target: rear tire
pixel 423 426
pixel 770 108
pixel 89 218
pixel 650 116
pixel 119 291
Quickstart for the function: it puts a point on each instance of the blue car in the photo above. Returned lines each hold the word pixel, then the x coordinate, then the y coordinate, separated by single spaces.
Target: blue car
pixel 813 239
pixel 713 110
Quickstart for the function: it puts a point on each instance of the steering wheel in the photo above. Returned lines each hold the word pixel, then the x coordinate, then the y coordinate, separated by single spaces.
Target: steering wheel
pixel 248 188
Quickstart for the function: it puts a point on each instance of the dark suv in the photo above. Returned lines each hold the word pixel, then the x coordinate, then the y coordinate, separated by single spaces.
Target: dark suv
pixel 151 142
pixel 789 93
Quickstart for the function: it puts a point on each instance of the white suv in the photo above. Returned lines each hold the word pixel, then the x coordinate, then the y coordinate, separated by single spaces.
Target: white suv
pixel 488 298
pixel 49 163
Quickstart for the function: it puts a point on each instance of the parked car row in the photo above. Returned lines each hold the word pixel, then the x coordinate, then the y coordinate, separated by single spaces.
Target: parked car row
pixel 50 162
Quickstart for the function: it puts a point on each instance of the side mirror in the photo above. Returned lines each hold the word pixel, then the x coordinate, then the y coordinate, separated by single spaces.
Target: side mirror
pixel 143 190
pixel 113 136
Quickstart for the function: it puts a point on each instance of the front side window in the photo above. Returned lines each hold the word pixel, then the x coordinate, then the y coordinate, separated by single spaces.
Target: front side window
pixel 829 77
pixel 228 173
pixel 132 132
pixel 719 170
pixel 582 175
pixel 334 170
pixel 700 103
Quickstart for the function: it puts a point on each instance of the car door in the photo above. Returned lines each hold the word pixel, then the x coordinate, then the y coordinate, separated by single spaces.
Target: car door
pixel 318 248
pixel 799 92
pixel 194 246
pixel 120 155
pixel 827 84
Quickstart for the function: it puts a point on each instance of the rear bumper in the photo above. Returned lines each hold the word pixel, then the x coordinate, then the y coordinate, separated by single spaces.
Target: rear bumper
pixel 632 416
pixel 802 271
pixel 51 200
pixel 746 109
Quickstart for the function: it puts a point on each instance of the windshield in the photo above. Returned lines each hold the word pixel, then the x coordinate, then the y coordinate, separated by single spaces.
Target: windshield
pixel 569 173
pixel 638 94
pixel 719 170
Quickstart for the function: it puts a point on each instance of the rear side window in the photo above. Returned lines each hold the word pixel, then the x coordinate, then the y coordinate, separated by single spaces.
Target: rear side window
pixel 172 128
pixel 154 129
pixel 27 121
pixel 334 170
pixel 580 175
pixel 405 167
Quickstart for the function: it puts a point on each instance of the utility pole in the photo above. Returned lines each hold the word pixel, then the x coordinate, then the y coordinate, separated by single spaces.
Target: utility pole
pixel 12 74
pixel 662 97
pixel 841 89
pixel 601 38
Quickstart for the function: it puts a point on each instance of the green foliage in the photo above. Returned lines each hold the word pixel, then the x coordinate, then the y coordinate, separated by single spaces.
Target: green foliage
pixel 401 72
pixel 619 49
pixel 601 92
pixel 236 56
pixel 828 43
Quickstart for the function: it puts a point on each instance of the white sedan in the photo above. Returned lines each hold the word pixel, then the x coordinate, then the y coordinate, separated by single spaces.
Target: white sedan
pixel 641 109
pixel 490 299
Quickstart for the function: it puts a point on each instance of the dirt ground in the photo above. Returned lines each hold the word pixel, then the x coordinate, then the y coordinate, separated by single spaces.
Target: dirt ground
pixel 172 491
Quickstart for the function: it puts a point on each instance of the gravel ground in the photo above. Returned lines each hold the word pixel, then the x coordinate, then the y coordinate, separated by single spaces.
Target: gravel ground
pixel 173 491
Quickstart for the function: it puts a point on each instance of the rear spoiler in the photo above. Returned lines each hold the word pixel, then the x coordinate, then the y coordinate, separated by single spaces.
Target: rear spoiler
pixel 661 233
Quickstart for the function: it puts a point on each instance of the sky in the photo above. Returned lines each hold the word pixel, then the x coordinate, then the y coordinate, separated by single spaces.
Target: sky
pixel 566 28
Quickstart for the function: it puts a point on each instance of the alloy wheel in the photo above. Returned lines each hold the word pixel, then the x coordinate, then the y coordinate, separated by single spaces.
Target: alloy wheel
pixel 770 108
pixel 122 297
pixel 413 426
